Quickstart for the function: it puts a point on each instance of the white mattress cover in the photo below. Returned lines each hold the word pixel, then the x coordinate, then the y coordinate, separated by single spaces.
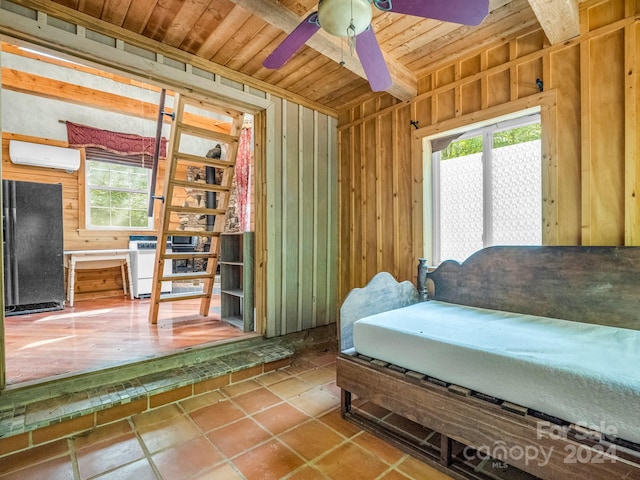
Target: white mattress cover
pixel 583 373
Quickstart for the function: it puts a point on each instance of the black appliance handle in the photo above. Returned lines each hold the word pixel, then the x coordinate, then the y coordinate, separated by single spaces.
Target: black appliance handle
pixel 7 243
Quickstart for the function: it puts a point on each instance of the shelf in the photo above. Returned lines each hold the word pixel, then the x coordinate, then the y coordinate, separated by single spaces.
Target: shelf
pixel 236 321
pixel 236 280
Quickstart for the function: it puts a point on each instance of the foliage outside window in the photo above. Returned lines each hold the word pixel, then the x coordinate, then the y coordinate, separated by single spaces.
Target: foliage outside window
pixel 117 195
pixel 487 188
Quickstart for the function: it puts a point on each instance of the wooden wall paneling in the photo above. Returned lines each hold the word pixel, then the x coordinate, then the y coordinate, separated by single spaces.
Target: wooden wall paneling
pixel 565 78
pixel 333 230
pixel 111 281
pixel 603 13
pixel 290 219
pixel 425 84
pixel 527 74
pixel 498 55
pixel 530 43
pixel 446 101
pixel 471 97
pixel 263 162
pixel 457 89
pixel 422 111
pixel 410 203
pixel 302 240
pixel 274 220
pixel 354 253
pixel 550 180
pixel 470 66
pixel 321 218
pixel 345 210
pixel 446 105
pixel 498 88
pixel 513 70
pixel 606 138
pixel 368 175
pixel 484 84
pixel 632 138
pixel 585 123
pixel 387 180
pixel 307 206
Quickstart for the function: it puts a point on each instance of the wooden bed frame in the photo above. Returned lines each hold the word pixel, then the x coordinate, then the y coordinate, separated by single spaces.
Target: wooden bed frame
pixel 598 285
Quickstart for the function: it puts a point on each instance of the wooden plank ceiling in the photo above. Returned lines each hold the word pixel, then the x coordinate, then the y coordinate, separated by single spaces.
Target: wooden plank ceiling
pixel 239 34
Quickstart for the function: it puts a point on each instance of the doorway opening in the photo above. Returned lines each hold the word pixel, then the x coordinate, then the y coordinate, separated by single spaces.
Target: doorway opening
pixel 105 208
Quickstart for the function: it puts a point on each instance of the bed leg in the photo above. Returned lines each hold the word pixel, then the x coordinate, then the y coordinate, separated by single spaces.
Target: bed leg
pixel 346 402
pixel 446 445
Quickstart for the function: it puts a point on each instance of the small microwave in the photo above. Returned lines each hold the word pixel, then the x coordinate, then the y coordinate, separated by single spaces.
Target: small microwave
pixel 182 241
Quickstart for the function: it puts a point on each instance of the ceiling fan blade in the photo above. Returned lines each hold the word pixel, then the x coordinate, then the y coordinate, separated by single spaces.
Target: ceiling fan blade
pixel 293 42
pixel 372 61
pixel 467 12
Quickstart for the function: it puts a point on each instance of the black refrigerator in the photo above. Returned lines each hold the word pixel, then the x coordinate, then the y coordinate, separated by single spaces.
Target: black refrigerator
pixel 32 246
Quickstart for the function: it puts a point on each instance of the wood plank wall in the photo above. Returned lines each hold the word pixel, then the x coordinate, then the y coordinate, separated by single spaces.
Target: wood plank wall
pixel 93 283
pixel 591 134
pixel 300 214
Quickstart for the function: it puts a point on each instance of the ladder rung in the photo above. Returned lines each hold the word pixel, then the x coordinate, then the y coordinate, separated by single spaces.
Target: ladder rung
pixel 187 276
pixel 196 210
pixel 205 133
pixel 212 162
pixel 211 107
pixel 174 297
pixel 194 233
pixel 211 187
pixel 189 255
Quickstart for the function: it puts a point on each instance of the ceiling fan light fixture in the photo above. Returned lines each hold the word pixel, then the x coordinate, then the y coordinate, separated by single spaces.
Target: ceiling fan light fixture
pixel 344 17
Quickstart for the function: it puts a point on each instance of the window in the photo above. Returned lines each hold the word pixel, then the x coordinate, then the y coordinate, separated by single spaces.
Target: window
pixel 117 195
pixel 487 189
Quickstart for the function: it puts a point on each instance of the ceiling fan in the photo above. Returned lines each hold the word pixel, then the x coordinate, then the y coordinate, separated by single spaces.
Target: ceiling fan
pixel 352 19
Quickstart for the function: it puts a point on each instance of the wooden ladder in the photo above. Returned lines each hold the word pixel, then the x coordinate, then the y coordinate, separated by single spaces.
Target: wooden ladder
pixel 176 185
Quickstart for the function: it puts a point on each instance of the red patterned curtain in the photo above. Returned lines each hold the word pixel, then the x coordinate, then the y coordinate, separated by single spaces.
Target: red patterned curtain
pixel 124 144
pixel 243 178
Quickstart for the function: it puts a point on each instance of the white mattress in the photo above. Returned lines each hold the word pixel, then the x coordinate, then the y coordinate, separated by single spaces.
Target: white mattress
pixel 585 374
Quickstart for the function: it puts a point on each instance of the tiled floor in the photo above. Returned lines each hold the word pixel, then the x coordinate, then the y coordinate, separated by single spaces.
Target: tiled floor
pixel 284 424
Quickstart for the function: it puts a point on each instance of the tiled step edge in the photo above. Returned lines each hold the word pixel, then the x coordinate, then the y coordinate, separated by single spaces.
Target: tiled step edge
pixel 28 425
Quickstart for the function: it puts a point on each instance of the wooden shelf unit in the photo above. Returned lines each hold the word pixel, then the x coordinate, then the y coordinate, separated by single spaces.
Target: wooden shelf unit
pixel 236 280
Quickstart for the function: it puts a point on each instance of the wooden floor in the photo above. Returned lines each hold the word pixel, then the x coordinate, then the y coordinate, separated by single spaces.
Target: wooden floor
pixel 99 333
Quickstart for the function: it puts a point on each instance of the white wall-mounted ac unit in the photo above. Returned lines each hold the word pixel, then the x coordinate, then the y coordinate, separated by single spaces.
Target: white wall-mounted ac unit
pixel 38 155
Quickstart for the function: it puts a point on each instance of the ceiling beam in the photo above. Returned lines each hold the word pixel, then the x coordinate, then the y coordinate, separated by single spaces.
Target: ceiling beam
pixel 558 18
pixel 404 81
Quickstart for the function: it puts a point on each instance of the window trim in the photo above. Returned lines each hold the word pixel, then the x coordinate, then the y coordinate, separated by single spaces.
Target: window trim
pixel 85 215
pixel 486 132
pixel 545 103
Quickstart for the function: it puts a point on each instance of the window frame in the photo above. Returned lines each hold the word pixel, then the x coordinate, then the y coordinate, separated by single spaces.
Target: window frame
pixel 87 187
pixel 486 129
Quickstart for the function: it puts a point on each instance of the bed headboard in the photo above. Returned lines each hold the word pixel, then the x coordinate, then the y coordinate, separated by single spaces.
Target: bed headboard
pixel 587 284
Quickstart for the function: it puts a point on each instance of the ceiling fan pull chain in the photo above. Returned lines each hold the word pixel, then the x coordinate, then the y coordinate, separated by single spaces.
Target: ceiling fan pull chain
pixel 351 37
pixel 384 5
pixel 351 33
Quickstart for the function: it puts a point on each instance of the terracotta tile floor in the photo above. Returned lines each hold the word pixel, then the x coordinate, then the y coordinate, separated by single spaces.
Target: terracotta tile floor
pixel 284 424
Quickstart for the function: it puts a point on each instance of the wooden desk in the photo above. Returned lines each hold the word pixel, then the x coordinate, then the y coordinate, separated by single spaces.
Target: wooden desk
pixel 85 259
